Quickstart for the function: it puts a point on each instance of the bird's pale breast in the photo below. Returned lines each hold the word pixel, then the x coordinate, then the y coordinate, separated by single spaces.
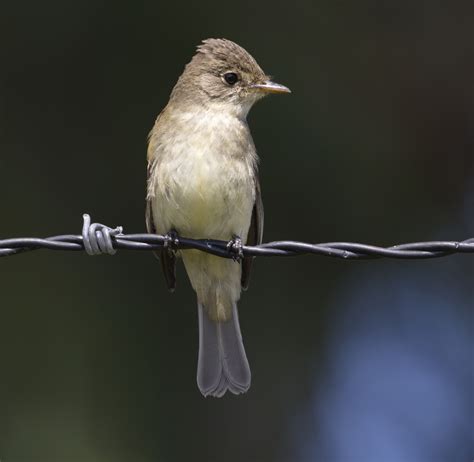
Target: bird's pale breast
pixel 204 184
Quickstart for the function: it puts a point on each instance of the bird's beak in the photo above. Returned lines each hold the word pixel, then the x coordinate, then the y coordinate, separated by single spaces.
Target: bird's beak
pixel 271 87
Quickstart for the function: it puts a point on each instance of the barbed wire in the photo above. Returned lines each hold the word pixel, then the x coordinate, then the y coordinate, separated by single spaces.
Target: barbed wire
pixel 97 239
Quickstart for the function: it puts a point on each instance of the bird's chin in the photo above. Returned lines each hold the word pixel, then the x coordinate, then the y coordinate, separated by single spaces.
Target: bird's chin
pixel 237 105
pixel 250 100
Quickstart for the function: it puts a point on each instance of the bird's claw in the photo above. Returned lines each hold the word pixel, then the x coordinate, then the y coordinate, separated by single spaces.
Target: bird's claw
pixel 171 241
pixel 235 247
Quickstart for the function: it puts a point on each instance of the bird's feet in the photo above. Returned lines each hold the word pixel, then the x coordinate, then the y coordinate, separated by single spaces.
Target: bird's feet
pixel 171 241
pixel 235 248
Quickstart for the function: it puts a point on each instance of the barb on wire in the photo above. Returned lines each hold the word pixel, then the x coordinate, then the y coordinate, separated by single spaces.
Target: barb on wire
pixel 97 239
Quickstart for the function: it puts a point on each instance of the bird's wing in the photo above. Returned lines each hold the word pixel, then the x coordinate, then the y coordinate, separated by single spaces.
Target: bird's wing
pixel 255 234
pixel 167 257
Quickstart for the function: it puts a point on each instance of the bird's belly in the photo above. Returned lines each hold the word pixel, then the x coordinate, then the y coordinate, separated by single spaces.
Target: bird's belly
pixel 205 196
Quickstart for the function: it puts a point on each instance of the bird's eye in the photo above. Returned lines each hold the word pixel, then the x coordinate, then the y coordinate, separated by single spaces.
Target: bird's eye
pixel 231 78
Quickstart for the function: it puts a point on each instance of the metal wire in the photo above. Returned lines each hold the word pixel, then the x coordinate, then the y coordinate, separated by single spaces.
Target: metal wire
pixel 97 239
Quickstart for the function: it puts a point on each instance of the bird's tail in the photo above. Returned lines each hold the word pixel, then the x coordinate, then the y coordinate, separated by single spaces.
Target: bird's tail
pixel 222 362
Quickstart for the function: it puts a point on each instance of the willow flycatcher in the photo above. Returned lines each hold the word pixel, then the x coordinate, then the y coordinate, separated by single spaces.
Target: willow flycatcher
pixel 203 183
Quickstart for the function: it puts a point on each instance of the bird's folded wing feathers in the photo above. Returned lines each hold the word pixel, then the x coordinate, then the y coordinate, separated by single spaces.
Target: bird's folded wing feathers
pixel 167 257
pixel 255 234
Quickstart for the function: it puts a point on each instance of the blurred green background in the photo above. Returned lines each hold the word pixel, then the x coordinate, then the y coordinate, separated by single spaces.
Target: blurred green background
pixel 375 144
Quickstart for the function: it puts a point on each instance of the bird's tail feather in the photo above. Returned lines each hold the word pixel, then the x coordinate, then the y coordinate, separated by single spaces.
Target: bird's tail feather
pixel 222 362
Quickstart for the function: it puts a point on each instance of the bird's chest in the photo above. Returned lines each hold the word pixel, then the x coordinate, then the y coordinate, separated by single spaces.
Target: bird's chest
pixel 204 180
pixel 205 185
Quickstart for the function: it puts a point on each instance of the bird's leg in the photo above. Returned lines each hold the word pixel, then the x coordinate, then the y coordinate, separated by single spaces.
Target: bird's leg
pixel 171 241
pixel 234 246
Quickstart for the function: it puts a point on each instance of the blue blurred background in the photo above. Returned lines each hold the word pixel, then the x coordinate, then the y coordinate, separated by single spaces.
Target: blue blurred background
pixel 351 361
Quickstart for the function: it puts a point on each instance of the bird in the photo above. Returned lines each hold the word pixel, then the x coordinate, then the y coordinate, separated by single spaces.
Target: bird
pixel 203 183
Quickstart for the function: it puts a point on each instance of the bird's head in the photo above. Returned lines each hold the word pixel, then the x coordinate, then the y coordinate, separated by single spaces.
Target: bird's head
pixel 223 74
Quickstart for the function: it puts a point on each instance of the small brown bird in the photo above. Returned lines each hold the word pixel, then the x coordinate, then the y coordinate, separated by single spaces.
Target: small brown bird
pixel 203 183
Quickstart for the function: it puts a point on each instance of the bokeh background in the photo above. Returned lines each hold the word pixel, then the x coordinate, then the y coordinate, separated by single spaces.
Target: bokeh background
pixel 352 361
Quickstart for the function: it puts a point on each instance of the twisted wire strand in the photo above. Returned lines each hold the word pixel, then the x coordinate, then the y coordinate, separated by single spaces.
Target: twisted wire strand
pixel 98 239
